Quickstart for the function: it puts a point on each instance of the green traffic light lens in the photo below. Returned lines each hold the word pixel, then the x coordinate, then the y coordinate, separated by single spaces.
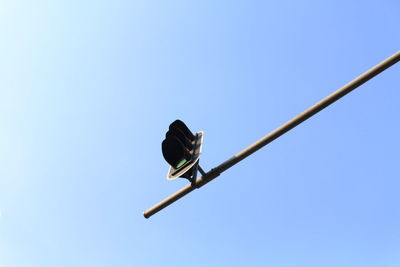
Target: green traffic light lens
pixel 181 163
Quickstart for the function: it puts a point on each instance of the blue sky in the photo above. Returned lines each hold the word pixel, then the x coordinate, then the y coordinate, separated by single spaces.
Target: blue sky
pixel 88 89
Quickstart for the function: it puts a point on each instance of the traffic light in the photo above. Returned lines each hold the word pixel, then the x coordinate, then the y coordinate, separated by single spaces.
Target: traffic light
pixel 181 149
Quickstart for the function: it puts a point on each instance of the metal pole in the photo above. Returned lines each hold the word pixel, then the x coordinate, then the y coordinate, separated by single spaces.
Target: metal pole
pixel 215 172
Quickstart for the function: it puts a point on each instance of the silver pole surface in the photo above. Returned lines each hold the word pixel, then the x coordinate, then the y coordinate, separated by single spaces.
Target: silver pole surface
pixel 215 172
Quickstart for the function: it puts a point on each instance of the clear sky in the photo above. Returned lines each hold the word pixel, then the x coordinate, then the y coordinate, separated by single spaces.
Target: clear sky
pixel 88 89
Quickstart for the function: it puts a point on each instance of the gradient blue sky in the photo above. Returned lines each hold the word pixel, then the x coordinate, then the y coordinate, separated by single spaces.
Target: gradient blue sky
pixel 88 88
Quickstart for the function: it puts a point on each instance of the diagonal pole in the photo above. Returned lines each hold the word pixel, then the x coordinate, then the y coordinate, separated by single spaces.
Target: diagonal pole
pixel 215 172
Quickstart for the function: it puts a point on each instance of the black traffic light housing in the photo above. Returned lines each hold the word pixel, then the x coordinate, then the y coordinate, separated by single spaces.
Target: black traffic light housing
pixel 181 149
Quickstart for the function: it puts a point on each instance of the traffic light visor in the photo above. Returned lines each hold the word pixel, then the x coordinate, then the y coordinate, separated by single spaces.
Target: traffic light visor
pixel 183 128
pixel 174 152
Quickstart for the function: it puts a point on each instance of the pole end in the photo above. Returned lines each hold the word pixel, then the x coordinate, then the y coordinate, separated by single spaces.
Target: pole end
pixel 146 215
